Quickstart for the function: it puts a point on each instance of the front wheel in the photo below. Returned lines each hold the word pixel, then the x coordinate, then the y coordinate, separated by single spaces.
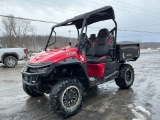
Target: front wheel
pixel 66 96
pixel 126 76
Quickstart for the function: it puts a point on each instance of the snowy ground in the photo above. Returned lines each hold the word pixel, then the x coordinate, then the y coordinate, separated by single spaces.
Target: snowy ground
pixel 146 86
pixel 148 51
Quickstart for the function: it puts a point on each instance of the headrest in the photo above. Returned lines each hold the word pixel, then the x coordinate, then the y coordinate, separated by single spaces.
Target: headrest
pixel 103 33
pixel 92 36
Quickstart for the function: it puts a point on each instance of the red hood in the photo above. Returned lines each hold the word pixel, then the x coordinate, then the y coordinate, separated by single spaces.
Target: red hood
pixel 57 55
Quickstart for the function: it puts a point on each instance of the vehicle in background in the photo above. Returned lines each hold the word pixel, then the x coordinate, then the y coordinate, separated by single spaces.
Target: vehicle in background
pixel 10 56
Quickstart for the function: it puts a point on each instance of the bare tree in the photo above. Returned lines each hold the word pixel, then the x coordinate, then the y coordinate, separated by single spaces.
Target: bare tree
pixel 23 28
pixel 7 31
pixel 15 30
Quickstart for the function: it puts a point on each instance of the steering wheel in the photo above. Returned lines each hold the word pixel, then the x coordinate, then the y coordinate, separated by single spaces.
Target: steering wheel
pixel 86 43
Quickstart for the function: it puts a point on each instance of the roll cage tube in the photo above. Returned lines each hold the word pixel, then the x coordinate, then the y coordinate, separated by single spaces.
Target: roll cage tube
pixel 114 32
pixel 80 37
pixel 50 38
pixel 115 29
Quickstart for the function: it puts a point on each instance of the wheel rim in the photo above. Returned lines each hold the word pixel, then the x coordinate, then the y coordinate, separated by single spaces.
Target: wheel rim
pixel 10 62
pixel 70 97
pixel 128 76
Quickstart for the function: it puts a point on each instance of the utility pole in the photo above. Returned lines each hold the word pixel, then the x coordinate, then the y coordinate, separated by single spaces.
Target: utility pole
pixel 35 42
pixel 69 38
pixel 33 48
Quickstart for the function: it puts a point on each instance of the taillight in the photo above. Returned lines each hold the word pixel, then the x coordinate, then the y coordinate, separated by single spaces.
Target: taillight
pixel 25 51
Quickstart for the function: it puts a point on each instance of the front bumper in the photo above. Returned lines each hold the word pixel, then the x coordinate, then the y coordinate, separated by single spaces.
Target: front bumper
pixel 33 78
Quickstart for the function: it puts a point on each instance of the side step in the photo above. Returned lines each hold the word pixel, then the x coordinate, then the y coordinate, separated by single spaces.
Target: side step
pixel 96 81
pixel 111 76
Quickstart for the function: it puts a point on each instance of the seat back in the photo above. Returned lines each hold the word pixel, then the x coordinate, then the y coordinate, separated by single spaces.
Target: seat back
pixel 102 43
pixel 92 38
pixel 89 52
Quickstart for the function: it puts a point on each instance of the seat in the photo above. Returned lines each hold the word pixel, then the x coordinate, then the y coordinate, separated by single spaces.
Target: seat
pixel 100 48
pixel 89 51
pixel 92 37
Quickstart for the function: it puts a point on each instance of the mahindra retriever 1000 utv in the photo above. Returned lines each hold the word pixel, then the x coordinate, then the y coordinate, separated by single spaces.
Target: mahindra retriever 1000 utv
pixel 66 74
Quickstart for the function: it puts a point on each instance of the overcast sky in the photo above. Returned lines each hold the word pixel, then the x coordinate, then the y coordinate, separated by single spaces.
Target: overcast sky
pixel 136 15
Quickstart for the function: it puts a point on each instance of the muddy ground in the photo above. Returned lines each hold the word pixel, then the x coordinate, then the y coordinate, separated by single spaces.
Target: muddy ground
pixel 107 102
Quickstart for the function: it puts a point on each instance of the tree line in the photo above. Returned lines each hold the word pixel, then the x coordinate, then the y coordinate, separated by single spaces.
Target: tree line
pixel 21 33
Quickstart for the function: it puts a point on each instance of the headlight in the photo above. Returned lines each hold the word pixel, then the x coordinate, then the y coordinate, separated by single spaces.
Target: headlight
pixel 42 70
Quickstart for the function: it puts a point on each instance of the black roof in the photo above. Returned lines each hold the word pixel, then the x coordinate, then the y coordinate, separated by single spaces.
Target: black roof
pixel 100 14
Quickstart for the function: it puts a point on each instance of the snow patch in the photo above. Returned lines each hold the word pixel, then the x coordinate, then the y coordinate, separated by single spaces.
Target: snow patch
pixel 130 106
pixel 140 112
pixel 138 115
pixel 147 51
pixel 136 119
pixel 143 110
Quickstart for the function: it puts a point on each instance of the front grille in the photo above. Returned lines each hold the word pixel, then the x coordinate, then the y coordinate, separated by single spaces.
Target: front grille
pixel 31 70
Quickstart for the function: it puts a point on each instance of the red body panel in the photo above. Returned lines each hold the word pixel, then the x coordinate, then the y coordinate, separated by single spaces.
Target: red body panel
pixel 96 70
pixel 57 55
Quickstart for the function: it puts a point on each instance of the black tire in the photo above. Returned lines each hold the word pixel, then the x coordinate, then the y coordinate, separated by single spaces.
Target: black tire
pixel 31 92
pixel 60 91
pixel 10 62
pixel 126 76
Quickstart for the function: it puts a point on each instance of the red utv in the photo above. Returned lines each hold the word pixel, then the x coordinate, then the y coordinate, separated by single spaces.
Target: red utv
pixel 66 74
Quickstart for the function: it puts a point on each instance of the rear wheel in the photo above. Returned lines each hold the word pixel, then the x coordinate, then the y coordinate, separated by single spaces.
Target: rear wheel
pixel 126 76
pixel 10 62
pixel 66 96
pixel 31 92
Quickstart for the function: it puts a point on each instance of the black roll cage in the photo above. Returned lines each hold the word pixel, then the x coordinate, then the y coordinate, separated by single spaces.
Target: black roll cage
pixel 80 22
pixel 113 32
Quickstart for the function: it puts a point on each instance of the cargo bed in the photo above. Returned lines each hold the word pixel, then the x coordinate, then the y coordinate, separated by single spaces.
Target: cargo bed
pixel 127 51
